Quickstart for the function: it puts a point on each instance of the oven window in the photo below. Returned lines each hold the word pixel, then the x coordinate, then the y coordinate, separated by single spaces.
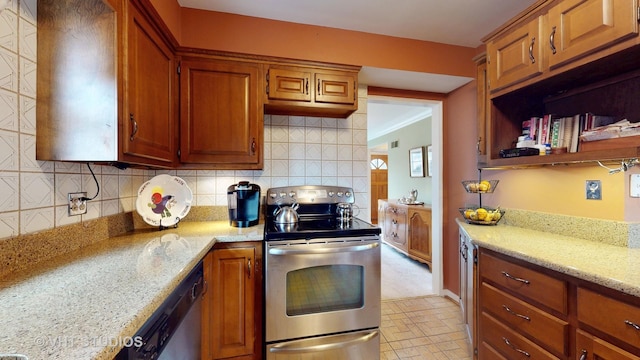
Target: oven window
pixel 325 288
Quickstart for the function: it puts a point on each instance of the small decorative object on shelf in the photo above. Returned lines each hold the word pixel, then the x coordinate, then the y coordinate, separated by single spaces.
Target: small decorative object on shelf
pixel 482 215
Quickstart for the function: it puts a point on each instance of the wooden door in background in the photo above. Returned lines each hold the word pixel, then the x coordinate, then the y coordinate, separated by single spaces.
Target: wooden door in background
pixel 379 183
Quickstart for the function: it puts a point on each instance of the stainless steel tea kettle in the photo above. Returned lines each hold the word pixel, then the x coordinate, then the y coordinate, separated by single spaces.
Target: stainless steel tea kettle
pixel 286 214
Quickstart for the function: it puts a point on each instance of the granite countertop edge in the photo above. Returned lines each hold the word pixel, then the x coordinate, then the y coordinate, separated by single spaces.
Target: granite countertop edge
pixel 611 266
pixel 87 303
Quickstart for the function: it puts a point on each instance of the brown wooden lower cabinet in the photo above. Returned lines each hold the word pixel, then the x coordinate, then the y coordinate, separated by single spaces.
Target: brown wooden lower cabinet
pixel 232 302
pixel 531 312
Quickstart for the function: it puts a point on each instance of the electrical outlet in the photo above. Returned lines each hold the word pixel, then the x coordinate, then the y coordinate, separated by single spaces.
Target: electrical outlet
pixel 77 204
pixel 594 190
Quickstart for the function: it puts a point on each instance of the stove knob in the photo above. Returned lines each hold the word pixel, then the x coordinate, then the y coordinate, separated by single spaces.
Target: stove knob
pixel 292 194
pixel 347 194
pixel 340 193
pixel 283 194
pixel 331 193
pixel 273 195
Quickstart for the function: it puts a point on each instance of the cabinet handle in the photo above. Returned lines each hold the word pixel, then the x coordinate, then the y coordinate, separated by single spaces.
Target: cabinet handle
pixel 306 86
pixel 509 276
pixel 531 57
pixel 134 127
pixel 508 309
pixel 394 221
pixel 249 268
pixel 583 355
pixel 632 324
pixel 253 145
pixel 552 40
pixel 319 92
pixel 506 341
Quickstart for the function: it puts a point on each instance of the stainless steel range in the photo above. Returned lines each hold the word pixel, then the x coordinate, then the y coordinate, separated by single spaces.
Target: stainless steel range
pixel 322 276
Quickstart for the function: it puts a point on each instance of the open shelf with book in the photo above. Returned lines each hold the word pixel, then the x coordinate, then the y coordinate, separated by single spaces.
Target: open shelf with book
pixel 596 89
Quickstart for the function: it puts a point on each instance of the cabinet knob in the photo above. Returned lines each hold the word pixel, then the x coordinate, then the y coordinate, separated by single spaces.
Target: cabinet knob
pixel 583 355
pixel 249 268
pixel 253 145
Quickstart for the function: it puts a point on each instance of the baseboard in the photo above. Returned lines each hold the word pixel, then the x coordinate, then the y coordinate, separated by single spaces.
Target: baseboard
pixel 449 294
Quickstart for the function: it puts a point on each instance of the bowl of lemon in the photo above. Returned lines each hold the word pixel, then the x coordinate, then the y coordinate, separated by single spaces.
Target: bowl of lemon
pixel 482 215
pixel 480 186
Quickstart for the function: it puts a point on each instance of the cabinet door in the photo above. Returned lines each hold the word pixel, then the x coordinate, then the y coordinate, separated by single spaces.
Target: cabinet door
pixel 289 84
pixel 578 27
pixel 221 120
pixel 149 125
pixel 335 89
pixel 482 101
pixel 228 305
pixel 419 233
pixel 516 56
pixel 589 347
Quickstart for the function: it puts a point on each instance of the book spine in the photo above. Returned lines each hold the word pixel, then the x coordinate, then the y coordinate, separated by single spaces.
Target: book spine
pixel 555 132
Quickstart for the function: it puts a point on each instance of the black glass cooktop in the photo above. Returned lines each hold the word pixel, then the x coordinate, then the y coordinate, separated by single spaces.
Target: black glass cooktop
pixel 309 228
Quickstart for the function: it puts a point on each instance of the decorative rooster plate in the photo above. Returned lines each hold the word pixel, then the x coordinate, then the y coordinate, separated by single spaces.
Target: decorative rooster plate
pixel 164 200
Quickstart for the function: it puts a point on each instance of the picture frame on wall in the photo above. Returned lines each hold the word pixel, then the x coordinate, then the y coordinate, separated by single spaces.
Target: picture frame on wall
pixel 416 162
pixel 429 160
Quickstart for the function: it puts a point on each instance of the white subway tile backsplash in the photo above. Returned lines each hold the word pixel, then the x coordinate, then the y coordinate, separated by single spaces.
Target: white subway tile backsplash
pixel 279 134
pixel 280 168
pixel 9 31
pixel 296 121
pixel 279 151
pixel 296 168
pixel 281 120
pixel 8 70
pixel 313 168
pixel 94 211
pixel 313 135
pixel 9 224
pixel 27 77
pixel 110 207
pixel 9 151
pixel 29 10
pixel 9 119
pixel 65 184
pixel 9 191
pixel 345 136
pixel 296 134
pixel 313 122
pixel 345 152
pixel 205 185
pixel 313 152
pixel 36 190
pixel 62 217
pixel 28 41
pixel 329 136
pixel 329 152
pixel 110 187
pixel 297 151
pixel 36 220
pixel 28 160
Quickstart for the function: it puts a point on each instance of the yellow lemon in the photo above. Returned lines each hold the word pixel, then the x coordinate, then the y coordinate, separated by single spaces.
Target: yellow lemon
pixel 482 214
pixel 473 215
pixel 467 213
pixel 496 215
pixel 484 186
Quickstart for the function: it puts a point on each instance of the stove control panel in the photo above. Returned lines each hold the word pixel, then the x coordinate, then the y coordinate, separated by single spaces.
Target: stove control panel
pixel 310 194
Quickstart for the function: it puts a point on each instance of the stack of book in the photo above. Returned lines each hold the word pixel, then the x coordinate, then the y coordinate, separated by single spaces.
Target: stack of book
pixel 562 132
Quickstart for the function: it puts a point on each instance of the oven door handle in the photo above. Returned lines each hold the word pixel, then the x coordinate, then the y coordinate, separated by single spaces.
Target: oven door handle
pixel 286 250
pixel 297 346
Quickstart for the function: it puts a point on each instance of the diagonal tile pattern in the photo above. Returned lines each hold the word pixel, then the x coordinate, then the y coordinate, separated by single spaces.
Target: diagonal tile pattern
pixel 428 327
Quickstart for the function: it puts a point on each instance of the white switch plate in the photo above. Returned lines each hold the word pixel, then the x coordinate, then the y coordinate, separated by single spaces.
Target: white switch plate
pixel 634 185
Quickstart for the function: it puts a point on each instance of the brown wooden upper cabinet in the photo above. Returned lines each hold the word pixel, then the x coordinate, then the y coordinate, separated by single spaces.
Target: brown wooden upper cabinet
pixel 517 55
pixel 310 91
pixel 221 117
pixel 567 58
pixel 578 27
pixel 106 85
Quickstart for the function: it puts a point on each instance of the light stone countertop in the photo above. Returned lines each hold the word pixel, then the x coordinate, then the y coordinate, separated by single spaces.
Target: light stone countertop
pixel 85 304
pixel 612 266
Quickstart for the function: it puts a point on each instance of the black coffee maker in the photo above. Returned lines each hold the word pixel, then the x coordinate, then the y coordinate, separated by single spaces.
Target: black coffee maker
pixel 244 204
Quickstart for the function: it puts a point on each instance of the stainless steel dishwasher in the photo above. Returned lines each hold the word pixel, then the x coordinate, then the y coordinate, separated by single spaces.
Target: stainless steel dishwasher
pixel 173 331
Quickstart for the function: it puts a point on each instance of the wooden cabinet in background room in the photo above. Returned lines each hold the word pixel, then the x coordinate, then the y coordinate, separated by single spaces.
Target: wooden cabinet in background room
pixel 419 234
pixel 221 117
pixel 407 228
pixel 309 91
pixel 107 84
pixel 395 226
pixel 232 303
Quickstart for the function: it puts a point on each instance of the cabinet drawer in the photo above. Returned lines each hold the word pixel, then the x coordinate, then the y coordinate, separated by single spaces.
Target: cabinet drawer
pixel 525 282
pixel 610 316
pixel 546 329
pixel 508 342
pixel 487 352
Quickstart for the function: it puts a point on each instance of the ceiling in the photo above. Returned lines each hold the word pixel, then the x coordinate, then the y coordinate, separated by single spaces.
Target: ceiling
pixel 456 22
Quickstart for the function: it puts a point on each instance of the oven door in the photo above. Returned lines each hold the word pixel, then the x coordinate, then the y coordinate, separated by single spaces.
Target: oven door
pixel 357 345
pixel 321 286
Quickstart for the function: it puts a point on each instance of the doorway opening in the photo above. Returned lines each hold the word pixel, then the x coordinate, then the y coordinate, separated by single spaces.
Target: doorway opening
pixel 383 122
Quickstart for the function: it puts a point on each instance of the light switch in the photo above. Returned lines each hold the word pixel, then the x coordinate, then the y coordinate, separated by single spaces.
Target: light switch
pixel 634 185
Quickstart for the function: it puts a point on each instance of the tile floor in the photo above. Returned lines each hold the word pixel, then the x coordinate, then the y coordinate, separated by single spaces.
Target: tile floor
pixel 428 327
